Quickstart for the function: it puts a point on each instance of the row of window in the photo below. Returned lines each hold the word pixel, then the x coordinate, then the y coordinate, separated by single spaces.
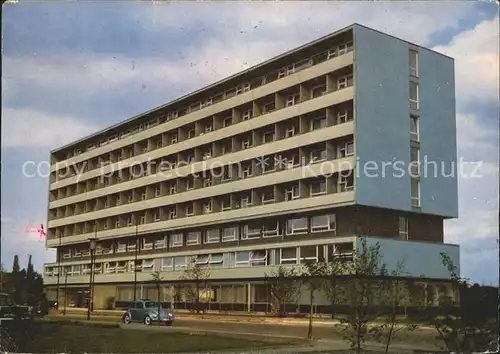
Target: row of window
pixel 252 230
pixel 316 120
pixel 414 130
pixel 325 153
pixel 262 257
pixel 333 52
pixel 309 188
pixel 203 126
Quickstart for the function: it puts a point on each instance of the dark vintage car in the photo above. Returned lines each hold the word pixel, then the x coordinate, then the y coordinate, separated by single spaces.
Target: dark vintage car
pixel 148 312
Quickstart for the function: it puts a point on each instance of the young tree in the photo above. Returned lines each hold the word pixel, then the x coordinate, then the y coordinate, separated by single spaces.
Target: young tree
pixel 362 291
pixel 157 278
pixel 332 287
pixel 195 278
pixel 284 288
pixel 313 279
pixel 394 294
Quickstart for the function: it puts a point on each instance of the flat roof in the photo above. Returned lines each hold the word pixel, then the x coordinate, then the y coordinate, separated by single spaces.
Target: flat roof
pixel 232 77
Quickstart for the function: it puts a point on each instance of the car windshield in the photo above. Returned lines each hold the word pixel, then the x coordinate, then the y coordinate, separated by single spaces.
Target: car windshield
pixel 151 304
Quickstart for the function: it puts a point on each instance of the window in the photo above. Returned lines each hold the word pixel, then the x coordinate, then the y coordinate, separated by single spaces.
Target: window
pixel 246 171
pixel 308 254
pixel 290 131
pixel 179 263
pixel 270 228
pixel 344 82
pixel 258 258
pixel 207 207
pixel 156 215
pixel 157 192
pixel 296 226
pixel 346 149
pixel 142 220
pixel 268 163
pixel 268 107
pixel 288 255
pixel 292 192
pixel 246 202
pixel 202 259
pixel 147 265
pixel 346 183
pixel 189 183
pixel 121 247
pixel 172 214
pixel 226 122
pixel 413 63
pixel 230 234
pixel 174 139
pixel 130 220
pixel 414 128
pixel 268 195
pixel 176 240
pixel 252 230
pixel 193 238
pixel 318 188
pixel 268 137
pixel 415 161
pixel 212 236
pixel 160 244
pixel 226 203
pixel 292 100
pixel 117 223
pixel 403 228
pixel 318 155
pixel 227 147
pixel 167 263
pixel 216 260
pixel 189 210
pixel 415 192
pixel 246 114
pixel 242 259
pixel 318 91
pixel 207 182
pixel 318 123
pixel 321 223
pixel 247 142
pixel 414 95
pixel 147 244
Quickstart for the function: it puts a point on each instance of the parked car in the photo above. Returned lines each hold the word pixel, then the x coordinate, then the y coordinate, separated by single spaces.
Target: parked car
pixel 146 311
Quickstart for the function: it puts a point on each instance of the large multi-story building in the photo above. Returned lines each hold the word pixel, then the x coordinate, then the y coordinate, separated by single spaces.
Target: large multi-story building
pixel 294 159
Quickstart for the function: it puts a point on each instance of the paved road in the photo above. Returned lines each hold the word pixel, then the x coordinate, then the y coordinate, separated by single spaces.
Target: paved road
pixel 326 337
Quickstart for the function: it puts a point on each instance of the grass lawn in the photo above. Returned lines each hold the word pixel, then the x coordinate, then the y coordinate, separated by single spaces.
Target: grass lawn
pixel 57 338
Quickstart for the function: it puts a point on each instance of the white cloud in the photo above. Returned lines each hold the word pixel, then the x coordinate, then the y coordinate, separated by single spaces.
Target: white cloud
pixel 476 55
pixel 32 128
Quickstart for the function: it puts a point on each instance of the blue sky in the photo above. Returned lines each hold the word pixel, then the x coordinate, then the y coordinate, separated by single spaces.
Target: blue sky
pixel 70 68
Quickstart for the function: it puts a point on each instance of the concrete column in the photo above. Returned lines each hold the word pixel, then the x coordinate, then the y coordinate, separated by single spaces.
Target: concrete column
pixel 249 296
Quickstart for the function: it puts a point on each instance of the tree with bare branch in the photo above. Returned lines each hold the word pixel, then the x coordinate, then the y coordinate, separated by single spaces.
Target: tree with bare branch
pixel 362 291
pixel 313 277
pixel 157 278
pixel 195 278
pixel 394 294
pixel 284 288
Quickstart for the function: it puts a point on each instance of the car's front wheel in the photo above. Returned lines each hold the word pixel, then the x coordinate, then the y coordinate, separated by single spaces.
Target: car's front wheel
pixel 147 320
pixel 126 319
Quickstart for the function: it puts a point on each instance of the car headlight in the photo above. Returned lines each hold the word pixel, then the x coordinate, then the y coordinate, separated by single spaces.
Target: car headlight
pixel 154 314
